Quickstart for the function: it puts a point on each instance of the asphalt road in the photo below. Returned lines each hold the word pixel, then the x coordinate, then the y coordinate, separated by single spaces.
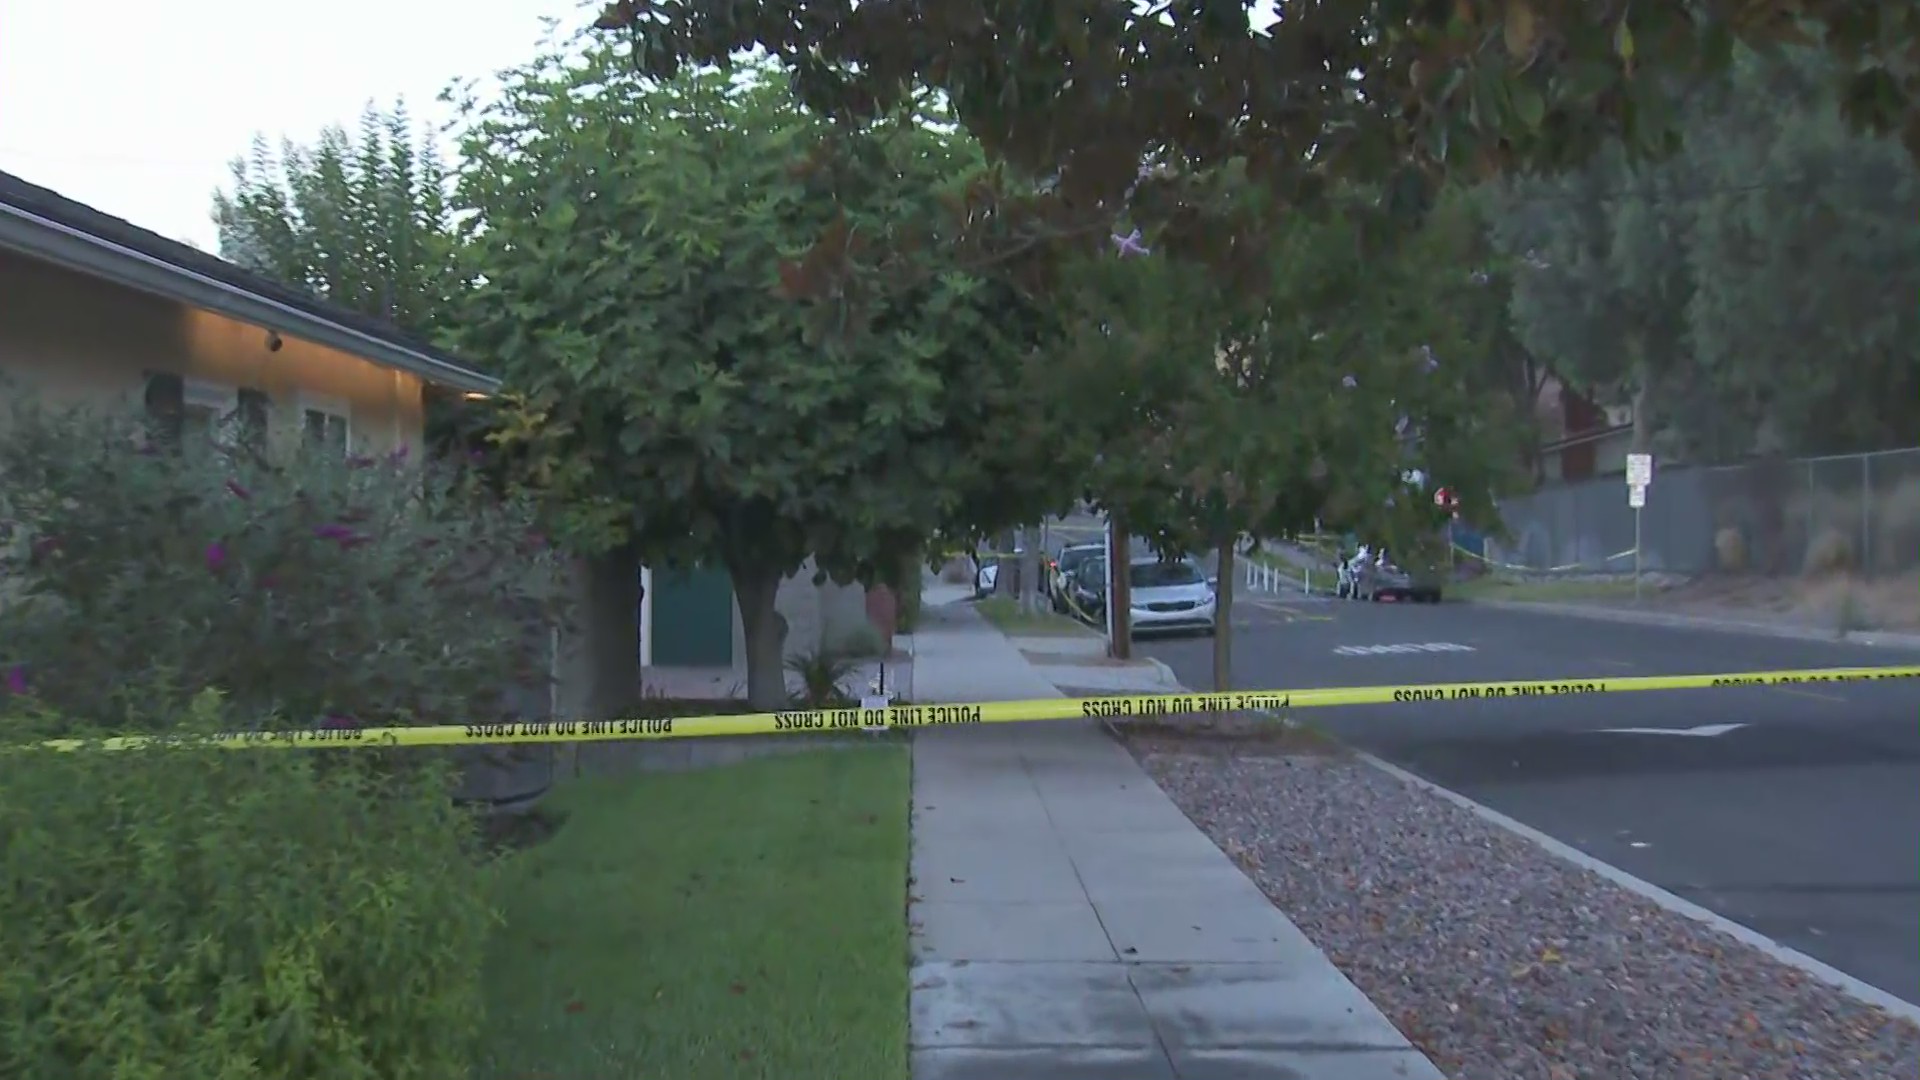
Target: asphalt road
pixel 1799 822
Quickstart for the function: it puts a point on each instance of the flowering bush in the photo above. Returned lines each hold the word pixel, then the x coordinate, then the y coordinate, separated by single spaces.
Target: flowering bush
pixel 356 592
pixel 233 915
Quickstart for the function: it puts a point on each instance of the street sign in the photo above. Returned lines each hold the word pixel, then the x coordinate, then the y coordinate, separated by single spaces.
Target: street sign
pixel 1639 470
pixel 1637 496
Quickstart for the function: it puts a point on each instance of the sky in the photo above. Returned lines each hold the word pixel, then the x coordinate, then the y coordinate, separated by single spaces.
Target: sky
pixel 136 107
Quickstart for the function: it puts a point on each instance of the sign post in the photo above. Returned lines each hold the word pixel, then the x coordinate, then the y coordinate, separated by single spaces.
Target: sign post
pixel 1639 478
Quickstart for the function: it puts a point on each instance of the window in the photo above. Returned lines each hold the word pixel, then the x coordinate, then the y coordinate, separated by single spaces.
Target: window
pixel 324 424
pixel 1157 575
pixel 182 411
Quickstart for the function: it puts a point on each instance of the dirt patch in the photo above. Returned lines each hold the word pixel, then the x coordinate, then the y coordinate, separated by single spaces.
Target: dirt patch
pixel 1833 602
pixel 1229 735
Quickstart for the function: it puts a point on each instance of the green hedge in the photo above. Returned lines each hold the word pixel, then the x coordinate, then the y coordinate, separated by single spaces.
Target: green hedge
pixel 368 591
pixel 220 915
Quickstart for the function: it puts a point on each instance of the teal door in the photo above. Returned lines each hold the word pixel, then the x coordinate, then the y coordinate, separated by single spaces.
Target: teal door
pixel 692 618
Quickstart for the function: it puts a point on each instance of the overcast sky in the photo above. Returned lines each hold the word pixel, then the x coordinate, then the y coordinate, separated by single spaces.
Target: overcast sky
pixel 135 107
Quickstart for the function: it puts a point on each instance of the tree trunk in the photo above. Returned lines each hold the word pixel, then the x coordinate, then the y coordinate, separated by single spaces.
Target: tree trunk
pixel 1030 571
pixel 1642 440
pixel 599 662
pixel 1119 592
pixel 766 637
pixel 1223 619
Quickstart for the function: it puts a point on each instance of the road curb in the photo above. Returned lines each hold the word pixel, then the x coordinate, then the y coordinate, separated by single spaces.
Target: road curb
pixel 1872 638
pixel 1863 992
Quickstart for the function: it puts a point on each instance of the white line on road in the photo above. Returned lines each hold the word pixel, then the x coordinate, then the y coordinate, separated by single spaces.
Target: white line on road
pixel 1704 731
pixel 1400 650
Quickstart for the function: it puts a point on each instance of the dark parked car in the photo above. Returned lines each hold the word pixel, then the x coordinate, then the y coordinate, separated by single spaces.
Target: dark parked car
pixel 1390 581
pixel 1071 558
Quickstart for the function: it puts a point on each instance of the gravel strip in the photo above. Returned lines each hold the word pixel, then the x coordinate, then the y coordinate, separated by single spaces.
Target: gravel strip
pixel 1502 962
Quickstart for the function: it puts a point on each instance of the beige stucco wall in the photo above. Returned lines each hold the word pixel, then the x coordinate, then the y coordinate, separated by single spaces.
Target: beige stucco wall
pixel 77 340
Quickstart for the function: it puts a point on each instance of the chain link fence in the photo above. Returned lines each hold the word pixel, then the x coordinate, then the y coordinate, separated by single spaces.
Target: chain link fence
pixel 1855 512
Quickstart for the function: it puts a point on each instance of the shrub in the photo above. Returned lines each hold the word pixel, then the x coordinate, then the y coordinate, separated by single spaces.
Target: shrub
pixel 823 673
pixel 363 591
pixel 1730 549
pixel 257 914
pixel 1831 552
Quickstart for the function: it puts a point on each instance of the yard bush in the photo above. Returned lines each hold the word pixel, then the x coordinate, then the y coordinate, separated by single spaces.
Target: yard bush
pixel 233 915
pixel 329 591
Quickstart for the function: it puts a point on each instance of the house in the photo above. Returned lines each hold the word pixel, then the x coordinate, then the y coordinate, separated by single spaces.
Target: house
pixel 96 310
pixel 1579 440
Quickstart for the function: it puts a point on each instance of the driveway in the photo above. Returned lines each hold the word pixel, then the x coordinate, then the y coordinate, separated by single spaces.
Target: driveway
pixel 1790 810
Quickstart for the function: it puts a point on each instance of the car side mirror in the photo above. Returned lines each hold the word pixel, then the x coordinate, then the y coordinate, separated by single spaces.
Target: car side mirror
pixel 1213 582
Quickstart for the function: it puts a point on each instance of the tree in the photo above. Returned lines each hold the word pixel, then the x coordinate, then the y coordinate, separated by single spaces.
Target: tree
pixel 673 397
pixel 1390 92
pixel 1218 420
pixel 1804 247
pixel 362 222
pixel 1744 294
pixel 1603 282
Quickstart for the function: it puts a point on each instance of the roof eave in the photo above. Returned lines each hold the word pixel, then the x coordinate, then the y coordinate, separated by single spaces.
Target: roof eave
pixel 50 241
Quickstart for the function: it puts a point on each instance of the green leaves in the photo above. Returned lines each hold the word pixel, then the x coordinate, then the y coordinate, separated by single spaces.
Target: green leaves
pixel 720 328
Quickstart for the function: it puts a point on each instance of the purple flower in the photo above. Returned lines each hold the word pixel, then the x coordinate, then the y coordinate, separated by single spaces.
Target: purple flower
pixel 216 555
pixel 398 455
pixel 1349 382
pixel 238 490
pixel 332 531
pixel 1130 246
pixel 17 680
pixel 147 449
pixel 359 461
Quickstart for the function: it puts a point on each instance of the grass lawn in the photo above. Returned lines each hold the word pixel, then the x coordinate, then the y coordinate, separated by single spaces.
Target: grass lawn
pixel 1004 613
pixel 1491 587
pixel 746 921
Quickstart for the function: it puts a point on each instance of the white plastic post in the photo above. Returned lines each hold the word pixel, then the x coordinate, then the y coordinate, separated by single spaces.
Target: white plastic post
pixel 1306 581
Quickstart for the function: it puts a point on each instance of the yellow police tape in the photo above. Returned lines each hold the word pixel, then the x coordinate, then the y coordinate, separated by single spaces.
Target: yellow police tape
pixel 1610 559
pixel 905 717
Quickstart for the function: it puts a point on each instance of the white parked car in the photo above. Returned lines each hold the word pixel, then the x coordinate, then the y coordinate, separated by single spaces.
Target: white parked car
pixel 1174 595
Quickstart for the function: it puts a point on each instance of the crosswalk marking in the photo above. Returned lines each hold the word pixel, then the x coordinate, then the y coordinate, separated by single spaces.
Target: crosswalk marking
pixel 1393 650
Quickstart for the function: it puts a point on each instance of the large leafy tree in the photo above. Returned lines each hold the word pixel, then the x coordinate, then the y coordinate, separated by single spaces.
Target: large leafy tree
pixel 638 240
pixel 1804 249
pixel 1219 419
pixel 1603 281
pixel 1745 294
pixel 1395 92
pixel 360 219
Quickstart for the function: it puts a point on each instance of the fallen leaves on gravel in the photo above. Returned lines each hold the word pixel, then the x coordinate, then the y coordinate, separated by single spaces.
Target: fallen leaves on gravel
pixel 1501 962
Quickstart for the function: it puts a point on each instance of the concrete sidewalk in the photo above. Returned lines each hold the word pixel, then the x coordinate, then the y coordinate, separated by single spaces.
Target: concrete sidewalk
pixel 1069 922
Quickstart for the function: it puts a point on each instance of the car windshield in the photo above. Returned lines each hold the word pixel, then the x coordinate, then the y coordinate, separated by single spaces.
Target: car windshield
pixel 1073 557
pixel 1159 575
